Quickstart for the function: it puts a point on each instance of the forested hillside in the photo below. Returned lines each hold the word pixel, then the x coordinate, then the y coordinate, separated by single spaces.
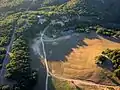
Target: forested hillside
pixel 106 9
pixel 20 5
pixel 10 3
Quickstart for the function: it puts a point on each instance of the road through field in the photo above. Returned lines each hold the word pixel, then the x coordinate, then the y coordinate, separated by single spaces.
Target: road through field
pixel 45 60
pixel 60 77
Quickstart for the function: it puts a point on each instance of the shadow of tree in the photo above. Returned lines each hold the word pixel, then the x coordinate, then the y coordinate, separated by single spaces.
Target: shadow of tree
pixel 117 40
pixel 58 50
pixel 38 65
pixel 114 81
pixel 107 64
pixel 77 87
pixel 62 48
pixel 50 84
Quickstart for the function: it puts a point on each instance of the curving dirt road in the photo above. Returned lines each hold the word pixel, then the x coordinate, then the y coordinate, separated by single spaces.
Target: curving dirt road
pixel 45 60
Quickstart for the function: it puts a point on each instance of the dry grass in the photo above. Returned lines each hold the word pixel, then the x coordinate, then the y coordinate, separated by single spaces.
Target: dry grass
pixel 81 61
pixel 66 85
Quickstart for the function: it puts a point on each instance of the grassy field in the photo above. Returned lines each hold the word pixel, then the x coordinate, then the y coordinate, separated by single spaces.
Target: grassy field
pixel 64 85
pixel 80 63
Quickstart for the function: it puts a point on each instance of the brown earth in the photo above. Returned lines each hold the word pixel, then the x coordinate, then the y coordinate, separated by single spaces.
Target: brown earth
pixel 79 52
pixel 80 62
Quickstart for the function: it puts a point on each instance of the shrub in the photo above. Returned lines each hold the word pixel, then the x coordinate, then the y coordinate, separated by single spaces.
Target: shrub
pixel 100 59
pixel 0 66
pixel 2 58
pixel 117 73
pixel 114 56
pixel 6 87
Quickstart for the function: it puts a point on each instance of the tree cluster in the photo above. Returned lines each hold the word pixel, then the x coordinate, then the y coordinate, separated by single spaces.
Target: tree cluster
pixel 19 68
pixel 2 55
pixel 108 32
pixel 114 56
pixel 83 28
pixel 5 87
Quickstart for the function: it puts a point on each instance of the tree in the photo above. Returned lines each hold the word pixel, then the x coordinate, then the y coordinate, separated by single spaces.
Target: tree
pixel 99 30
pixel 117 73
pixel 100 59
pixel 114 56
pixel 6 87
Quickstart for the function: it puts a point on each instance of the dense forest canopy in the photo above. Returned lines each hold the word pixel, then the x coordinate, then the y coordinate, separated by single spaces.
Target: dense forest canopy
pixel 107 10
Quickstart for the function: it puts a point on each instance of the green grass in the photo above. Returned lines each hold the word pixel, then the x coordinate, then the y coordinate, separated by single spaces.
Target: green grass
pixel 64 85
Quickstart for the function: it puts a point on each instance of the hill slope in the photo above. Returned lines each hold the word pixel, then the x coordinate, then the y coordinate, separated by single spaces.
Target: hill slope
pixel 105 9
pixel 13 5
